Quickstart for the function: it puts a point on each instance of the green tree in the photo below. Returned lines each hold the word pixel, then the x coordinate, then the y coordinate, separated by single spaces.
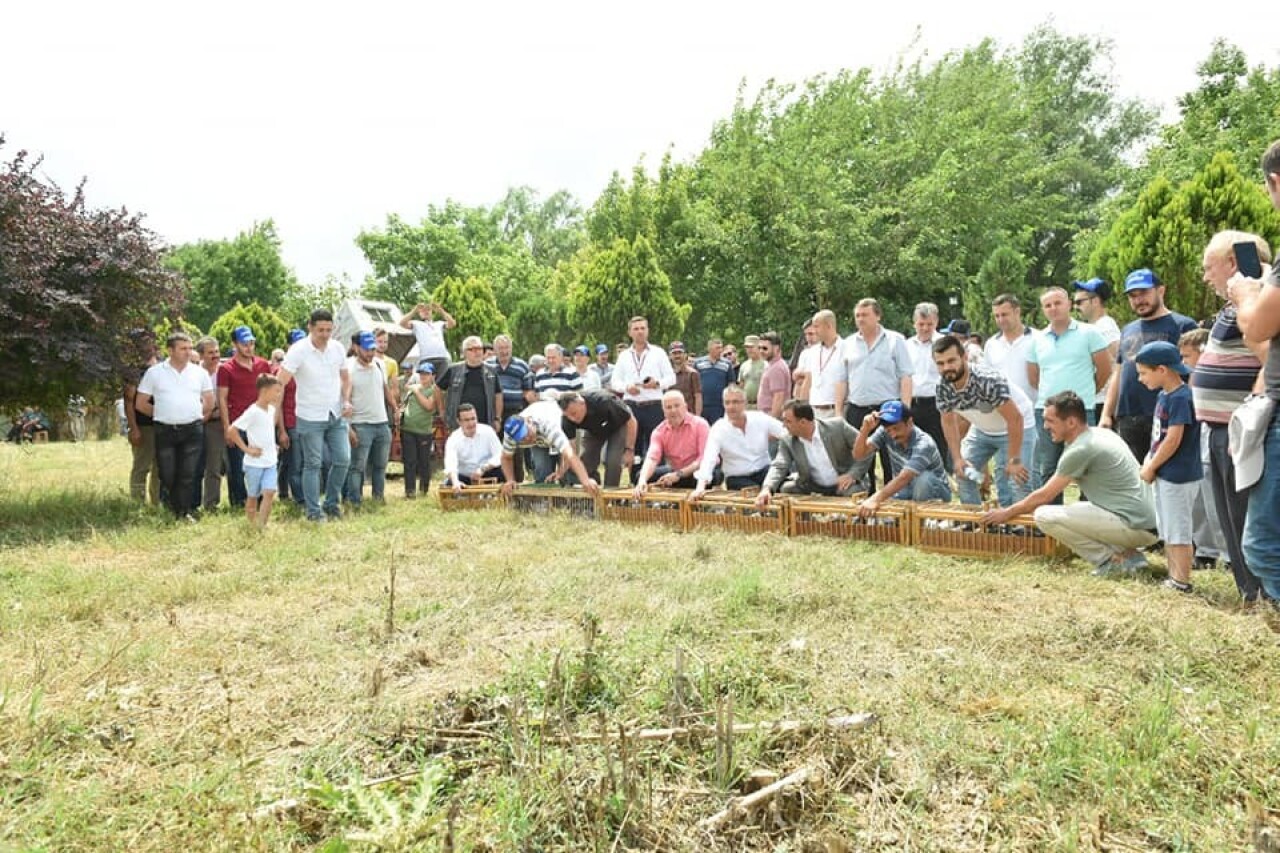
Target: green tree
pixel 167 326
pixel 1167 230
pixel 1004 271
pixel 271 331
pixel 220 273
pixel 471 303
pixel 614 284
pixel 301 299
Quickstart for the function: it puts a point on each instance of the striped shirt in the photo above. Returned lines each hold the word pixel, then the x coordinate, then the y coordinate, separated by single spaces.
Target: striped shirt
pixel 1226 371
pixel 551 384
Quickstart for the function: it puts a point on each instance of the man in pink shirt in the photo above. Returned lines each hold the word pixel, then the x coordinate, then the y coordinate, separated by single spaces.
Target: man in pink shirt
pixel 775 385
pixel 675 448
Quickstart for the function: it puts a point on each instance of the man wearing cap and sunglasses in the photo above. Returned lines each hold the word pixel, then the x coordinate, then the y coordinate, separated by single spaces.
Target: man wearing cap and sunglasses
pixel 237 391
pixel 602 367
pixel 1089 299
pixel 1129 405
pixel 371 397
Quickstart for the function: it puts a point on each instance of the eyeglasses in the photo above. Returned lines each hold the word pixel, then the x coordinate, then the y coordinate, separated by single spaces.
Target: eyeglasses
pixel 469 349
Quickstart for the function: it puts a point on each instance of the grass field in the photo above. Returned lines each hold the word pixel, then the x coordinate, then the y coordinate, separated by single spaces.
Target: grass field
pixel 167 686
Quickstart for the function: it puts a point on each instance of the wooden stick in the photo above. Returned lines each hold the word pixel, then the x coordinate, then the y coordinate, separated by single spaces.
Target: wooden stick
pixel 782 727
pixel 742 807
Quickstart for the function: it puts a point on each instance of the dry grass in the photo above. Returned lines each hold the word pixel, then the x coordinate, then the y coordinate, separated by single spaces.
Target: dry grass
pixel 161 683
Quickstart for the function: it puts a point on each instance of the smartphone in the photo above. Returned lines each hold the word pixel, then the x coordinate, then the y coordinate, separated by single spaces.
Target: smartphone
pixel 1247 260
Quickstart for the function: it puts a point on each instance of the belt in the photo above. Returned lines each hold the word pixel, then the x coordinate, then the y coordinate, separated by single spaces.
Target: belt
pixel 824 408
pixel 179 426
pixel 642 403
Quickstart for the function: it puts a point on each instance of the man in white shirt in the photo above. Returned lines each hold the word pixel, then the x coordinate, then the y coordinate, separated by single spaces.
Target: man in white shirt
pixel 820 372
pixel 179 396
pixel 924 376
pixel 430 333
pixel 1007 350
pixel 641 374
pixel 739 442
pixel 319 367
pixel 472 452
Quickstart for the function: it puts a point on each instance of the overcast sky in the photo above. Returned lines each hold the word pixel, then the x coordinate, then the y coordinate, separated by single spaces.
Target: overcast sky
pixel 208 117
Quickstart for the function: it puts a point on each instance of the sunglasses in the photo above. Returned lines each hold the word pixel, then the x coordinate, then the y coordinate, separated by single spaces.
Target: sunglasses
pixel 1079 302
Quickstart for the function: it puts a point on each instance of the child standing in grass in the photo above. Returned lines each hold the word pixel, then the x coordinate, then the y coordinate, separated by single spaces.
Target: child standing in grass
pixel 261 423
pixel 1173 465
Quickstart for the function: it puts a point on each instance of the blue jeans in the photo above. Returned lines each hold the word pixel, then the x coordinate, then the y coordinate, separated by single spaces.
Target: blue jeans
pixel 544 463
pixel 1047 453
pixel 291 468
pixel 235 474
pixel 929 486
pixel 316 437
pixel 977 449
pixel 1262 523
pixel 373 449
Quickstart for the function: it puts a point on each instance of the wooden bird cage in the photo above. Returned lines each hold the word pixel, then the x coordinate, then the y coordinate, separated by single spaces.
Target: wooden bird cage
pixel 543 499
pixel 816 515
pixel 959 530
pixel 737 511
pixel 657 506
pixel 485 494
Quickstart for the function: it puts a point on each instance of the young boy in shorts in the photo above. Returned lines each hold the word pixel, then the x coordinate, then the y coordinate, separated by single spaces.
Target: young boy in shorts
pixel 261 424
pixel 1173 465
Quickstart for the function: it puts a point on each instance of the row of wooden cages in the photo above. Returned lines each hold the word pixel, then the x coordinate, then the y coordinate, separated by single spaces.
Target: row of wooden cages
pixel 937 527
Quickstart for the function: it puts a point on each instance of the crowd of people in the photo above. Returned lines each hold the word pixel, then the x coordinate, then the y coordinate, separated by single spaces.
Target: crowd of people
pixel 1165 426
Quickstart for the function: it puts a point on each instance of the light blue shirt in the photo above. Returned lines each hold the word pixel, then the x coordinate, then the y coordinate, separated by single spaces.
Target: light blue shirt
pixel 1066 361
pixel 875 373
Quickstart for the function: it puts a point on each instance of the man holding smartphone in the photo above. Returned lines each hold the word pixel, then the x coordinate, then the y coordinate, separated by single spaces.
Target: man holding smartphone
pixel 1130 406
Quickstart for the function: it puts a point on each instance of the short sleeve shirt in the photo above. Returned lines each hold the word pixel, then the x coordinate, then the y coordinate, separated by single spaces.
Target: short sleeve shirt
pixel 920 455
pixel 875 373
pixel 1104 467
pixel 1176 409
pixel 776 380
pixel 1134 398
pixel 978 401
pixel 1066 361
pixel 259 425
pixel 430 337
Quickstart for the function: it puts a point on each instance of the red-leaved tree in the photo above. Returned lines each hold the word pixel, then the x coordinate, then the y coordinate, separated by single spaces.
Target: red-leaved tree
pixel 74 284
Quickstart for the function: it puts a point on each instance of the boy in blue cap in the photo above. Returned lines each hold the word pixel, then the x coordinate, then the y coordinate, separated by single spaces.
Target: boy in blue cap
pixel 1173 465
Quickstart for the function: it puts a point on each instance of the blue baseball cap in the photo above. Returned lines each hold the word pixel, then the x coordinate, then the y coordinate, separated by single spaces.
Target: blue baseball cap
pixel 1143 279
pixel 1096 286
pixel 601 349
pixel 581 349
pixel 242 335
pixel 516 429
pixel 296 335
pixel 425 366
pixel 366 340
pixel 893 412
pixel 1162 354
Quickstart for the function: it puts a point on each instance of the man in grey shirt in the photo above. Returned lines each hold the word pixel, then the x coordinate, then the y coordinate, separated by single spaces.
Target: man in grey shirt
pixel 1120 516
pixel 877 370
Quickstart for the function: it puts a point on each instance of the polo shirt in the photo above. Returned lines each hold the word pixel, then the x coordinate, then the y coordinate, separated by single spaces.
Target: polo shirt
pixel 430 337
pixel 318 375
pixel 981 397
pixel 739 451
pixel 776 380
pixel 875 370
pixel 1133 397
pixel 924 370
pixel 606 414
pixel 1104 467
pixel 241 383
pixel 826 369
pixel 920 455
pixel 1010 358
pixel 681 445
pixel 515 379
pixel 178 395
pixel 545 415
pixel 1066 361
pixel 688 383
pixel 1227 369
pixel 368 392
pixel 716 376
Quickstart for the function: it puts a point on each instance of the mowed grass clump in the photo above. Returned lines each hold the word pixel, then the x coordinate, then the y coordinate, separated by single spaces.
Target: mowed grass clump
pixel 166 686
